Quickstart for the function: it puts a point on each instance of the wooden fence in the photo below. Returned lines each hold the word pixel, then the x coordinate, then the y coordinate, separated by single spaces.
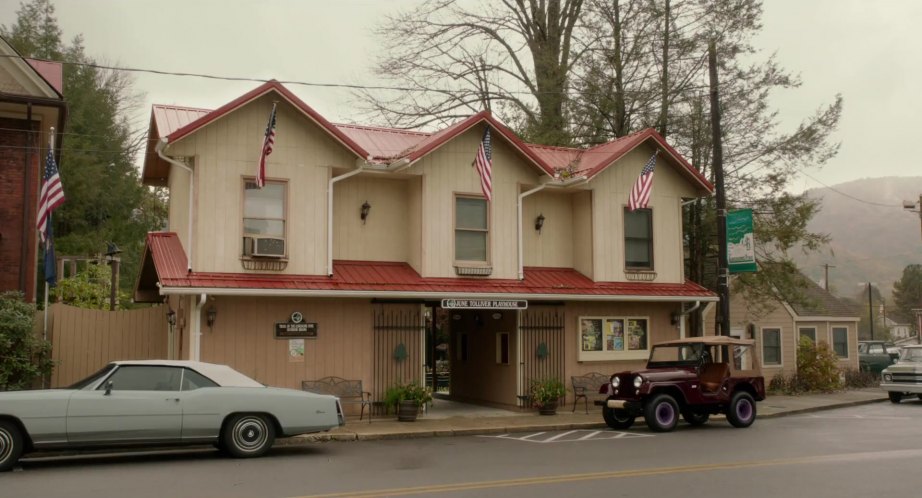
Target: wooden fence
pixel 84 340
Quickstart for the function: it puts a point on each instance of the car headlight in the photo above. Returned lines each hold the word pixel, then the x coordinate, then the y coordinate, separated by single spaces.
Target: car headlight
pixel 615 382
pixel 638 381
pixel 888 377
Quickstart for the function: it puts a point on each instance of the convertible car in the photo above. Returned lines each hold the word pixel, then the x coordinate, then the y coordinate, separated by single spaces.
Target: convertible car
pixel 155 402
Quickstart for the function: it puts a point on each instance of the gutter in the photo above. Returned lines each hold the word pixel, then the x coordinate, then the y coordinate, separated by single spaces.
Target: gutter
pixel 160 148
pixel 236 291
pixel 518 206
pixel 357 170
pixel 196 350
pixel 682 314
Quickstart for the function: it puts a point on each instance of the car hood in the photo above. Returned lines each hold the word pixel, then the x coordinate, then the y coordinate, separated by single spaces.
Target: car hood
pixel 904 367
pixel 660 374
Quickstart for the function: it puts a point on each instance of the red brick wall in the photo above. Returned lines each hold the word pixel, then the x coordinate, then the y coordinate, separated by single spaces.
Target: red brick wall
pixel 14 205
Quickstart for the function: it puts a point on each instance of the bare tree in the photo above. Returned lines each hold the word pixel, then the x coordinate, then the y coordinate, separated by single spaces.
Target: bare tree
pixel 447 61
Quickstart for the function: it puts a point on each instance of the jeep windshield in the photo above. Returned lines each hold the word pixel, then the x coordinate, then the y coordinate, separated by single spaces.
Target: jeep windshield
pixel 676 355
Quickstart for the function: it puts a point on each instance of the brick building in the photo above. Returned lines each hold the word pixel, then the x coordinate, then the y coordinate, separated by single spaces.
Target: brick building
pixel 31 104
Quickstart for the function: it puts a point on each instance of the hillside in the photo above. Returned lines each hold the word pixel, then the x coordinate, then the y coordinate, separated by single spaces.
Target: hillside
pixel 873 237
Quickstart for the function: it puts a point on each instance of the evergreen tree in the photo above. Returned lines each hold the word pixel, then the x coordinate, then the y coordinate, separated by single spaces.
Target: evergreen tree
pixel 907 291
pixel 105 199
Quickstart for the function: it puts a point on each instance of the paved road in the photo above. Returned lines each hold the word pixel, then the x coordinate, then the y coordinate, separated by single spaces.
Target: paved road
pixel 871 450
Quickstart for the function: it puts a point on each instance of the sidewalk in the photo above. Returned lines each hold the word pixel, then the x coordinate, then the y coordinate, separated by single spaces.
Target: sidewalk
pixel 447 418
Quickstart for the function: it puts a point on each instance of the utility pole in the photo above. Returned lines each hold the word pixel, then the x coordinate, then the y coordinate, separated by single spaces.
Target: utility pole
pixel 826 280
pixel 870 312
pixel 723 272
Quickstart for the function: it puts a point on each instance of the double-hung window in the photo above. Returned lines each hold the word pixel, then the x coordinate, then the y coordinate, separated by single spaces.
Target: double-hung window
pixel 771 346
pixel 472 230
pixel 264 219
pixel 840 341
pixel 809 333
pixel 638 239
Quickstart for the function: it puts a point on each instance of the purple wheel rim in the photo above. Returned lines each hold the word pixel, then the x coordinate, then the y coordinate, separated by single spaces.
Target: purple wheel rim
pixel 744 410
pixel 665 414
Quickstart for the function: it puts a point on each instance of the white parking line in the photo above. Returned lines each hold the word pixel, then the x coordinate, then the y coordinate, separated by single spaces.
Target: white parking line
pixel 569 436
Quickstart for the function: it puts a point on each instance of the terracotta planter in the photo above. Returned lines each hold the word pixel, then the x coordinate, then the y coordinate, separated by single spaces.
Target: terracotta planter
pixel 407 411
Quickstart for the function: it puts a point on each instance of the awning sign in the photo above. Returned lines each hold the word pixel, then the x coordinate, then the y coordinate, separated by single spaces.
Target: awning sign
pixel 741 248
pixel 484 304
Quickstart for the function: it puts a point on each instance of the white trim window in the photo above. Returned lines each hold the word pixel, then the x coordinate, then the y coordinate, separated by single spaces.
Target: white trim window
pixel 605 338
pixel 472 229
pixel 771 346
pixel 840 341
pixel 264 219
pixel 638 239
pixel 809 333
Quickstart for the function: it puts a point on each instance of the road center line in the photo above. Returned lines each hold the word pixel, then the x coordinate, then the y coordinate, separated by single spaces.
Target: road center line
pixel 619 474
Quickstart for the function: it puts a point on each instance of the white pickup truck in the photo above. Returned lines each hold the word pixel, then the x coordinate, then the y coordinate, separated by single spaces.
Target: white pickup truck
pixel 904 378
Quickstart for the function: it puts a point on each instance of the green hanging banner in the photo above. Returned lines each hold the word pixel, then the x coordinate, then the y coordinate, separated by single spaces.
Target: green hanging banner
pixel 741 248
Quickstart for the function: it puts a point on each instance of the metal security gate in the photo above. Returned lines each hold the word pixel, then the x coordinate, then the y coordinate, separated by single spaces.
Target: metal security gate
pixel 542 344
pixel 398 347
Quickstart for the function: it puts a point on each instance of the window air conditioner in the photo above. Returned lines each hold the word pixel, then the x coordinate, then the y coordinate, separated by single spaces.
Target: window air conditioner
pixel 264 247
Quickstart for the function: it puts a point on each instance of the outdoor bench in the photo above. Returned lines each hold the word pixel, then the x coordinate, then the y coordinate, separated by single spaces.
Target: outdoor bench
pixel 585 386
pixel 348 391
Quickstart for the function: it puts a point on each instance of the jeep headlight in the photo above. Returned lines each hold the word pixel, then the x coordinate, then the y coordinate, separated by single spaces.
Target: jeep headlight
pixel 888 377
pixel 638 381
pixel 615 382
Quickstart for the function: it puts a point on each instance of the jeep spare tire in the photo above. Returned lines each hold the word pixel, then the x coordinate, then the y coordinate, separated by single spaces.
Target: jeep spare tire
pixel 661 413
pixel 742 410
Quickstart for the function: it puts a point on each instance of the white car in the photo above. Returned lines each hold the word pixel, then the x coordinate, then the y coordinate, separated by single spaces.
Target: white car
pixel 161 402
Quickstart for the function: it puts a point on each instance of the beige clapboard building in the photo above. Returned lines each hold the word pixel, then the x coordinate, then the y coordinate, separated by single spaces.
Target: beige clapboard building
pixel 373 254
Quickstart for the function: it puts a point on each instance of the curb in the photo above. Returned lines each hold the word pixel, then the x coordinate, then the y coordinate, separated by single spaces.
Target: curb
pixel 821 408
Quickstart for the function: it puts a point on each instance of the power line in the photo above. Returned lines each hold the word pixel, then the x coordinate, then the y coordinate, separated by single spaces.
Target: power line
pixel 900 206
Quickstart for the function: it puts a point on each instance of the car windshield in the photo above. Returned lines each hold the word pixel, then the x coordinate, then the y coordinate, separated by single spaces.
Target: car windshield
pixel 675 355
pixel 93 378
pixel 912 355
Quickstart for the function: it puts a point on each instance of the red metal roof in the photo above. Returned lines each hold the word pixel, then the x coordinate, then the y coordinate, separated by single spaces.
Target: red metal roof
pixel 398 278
pixel 386 145
pixel 382 143
pixel 51 72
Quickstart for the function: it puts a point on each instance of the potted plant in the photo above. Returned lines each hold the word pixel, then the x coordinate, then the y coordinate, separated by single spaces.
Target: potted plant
pixel 407 399
pixel 545 394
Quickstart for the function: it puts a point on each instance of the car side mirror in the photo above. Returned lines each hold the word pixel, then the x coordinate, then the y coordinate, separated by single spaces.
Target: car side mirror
pixel 108 388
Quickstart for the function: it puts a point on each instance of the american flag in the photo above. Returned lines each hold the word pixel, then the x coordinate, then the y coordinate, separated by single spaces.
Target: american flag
pixel 640 192
pixel 484 164
pixel 268 142
pixel 52 196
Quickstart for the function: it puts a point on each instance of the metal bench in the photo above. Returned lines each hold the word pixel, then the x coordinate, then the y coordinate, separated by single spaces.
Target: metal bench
pixel 585 386
pixel 348 391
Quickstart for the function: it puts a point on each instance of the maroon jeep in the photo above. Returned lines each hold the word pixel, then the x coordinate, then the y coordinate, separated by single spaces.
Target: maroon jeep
pixel 694 377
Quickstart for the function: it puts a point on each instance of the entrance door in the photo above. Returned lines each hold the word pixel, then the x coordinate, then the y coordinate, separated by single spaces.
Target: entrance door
pixel 438 350
pixel 542 346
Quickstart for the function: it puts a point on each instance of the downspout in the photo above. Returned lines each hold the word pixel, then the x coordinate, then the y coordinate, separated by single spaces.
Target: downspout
pixel 333 180
pixel 195 353
pixel 682 317
pixel 518 206
pixel 161 146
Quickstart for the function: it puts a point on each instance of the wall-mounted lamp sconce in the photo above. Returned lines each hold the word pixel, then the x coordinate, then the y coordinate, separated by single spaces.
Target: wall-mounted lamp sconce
pixel 210 316
pixel 674 318
pixel 539 222
pixel 171 318
pixel 365 208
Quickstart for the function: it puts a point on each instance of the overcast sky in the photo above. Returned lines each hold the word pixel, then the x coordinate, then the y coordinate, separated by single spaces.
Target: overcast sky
pixel 867 51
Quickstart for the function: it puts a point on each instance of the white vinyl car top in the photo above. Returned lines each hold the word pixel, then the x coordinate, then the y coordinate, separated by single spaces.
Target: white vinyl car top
pixel 222 375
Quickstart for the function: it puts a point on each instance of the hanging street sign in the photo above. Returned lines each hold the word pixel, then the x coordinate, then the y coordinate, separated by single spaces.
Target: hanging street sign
pixel 485 304
pixel 741 250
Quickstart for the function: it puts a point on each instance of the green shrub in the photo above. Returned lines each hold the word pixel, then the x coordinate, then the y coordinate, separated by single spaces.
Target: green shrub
pixel 23 356
pixel 407 392
pixel 817 367
pixel 547 391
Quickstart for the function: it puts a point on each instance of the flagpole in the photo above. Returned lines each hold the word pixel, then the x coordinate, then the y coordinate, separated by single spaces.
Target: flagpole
pixel 45 326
